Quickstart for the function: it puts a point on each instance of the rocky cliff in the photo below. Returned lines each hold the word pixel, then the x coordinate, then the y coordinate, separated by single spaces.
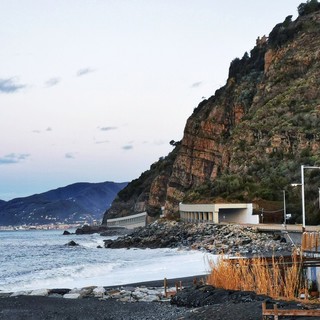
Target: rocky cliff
pixel 247 141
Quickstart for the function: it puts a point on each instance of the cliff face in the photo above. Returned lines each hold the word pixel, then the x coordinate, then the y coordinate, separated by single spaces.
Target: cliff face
pixel 248 140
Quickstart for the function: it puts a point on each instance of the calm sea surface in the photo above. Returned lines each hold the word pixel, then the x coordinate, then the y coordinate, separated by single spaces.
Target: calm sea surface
pixel 39 259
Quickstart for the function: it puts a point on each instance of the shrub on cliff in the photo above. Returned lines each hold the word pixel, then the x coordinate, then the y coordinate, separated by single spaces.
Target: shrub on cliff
pixel 308 7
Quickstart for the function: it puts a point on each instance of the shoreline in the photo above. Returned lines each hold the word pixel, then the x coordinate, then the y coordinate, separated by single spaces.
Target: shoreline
pixel 185 281
pixel 57 306
pixel 198 302
pixel 145 299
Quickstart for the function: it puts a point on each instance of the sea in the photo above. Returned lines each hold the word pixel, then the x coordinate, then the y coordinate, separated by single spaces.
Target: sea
pixel 40 259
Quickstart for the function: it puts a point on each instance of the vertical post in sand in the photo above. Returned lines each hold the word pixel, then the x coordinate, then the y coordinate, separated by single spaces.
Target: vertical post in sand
pixel 275 308
pixel 165 286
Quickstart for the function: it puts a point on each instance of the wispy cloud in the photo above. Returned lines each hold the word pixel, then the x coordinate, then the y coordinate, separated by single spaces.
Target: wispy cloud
pixel 107 128
pixel 52 82
pixel 127 147
pixel 102 141
pixel 159 142
pixel 10 85
pixel 196 84
pixel 84 71
pixel 39 131
pixel 69 155
pixel 13 158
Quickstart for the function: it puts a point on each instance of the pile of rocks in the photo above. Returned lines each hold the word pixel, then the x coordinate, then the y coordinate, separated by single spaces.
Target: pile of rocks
pixel 123 294
pixel 216 239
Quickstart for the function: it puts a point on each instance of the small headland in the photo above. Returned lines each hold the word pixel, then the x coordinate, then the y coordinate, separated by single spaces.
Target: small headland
pixel 216 239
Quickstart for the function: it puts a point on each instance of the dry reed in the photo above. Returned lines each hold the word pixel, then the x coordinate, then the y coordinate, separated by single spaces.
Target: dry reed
pixel 275 278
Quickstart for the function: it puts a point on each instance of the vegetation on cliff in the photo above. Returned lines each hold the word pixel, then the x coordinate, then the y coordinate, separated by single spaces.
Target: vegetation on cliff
pixel 247 142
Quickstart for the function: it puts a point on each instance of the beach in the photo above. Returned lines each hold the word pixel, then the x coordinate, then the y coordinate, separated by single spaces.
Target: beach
pixel 195 301
pixel 28 307
pixel 146 300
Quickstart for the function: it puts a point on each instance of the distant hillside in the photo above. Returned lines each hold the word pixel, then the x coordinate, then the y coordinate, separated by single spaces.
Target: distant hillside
pixel 78 202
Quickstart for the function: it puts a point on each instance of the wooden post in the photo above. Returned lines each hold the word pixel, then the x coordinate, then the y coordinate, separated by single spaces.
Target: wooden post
pixel 275 308
pixel 165 286
pixel 264 307
pixel 303 241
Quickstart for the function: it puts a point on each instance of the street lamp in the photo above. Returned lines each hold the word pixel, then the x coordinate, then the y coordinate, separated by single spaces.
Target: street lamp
pixel 302 194
pixel 284 207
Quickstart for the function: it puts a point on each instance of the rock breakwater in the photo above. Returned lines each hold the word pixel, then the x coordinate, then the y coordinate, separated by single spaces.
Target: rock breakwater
pixel 216 239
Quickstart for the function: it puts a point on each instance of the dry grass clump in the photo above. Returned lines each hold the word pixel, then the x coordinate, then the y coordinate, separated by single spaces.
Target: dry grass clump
pixel 274 277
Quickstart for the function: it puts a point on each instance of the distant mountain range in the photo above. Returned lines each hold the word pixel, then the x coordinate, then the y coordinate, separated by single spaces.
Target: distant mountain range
pixel 76 203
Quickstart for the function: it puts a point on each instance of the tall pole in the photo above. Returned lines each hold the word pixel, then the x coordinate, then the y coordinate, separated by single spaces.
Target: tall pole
pixel 302 199
pixel 302 194
pixel 284 207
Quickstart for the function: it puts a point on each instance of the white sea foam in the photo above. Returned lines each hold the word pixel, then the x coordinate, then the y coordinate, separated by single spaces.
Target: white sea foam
pixel 34 260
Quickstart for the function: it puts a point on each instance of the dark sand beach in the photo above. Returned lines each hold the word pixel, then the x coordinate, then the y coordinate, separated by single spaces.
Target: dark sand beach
pixel 52 308
pixel 224 305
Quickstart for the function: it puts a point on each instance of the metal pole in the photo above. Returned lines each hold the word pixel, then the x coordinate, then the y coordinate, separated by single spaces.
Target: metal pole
pixel 302 199
pixel 302 194
pixel 284 207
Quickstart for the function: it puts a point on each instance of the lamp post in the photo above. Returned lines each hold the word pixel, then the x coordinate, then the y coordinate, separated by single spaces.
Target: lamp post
pixel 302 194
pixel 284 207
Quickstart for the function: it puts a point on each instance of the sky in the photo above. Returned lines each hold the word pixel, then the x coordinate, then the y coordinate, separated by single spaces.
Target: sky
pixel 94 90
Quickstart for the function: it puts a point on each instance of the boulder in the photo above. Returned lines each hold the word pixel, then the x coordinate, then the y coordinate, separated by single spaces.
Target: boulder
pixel 60 291
pixel 40 292
pixel 71 244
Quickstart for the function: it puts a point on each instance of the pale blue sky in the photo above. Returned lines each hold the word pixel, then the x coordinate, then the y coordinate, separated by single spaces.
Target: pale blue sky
pixel 95 90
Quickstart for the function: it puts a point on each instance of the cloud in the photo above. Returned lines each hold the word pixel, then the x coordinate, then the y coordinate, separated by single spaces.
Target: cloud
pixel 69 155
pixel 127 147
pixel 159 142
pixel 196 84
pixel 52 82
pixel 39 131
pixel 13 158
pixel 84 71
pixel 107 128
pixel 10 85
pixel 102 141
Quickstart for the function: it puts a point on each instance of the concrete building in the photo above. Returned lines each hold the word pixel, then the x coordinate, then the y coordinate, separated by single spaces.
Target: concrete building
pixel 129 222
pixel 218 213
